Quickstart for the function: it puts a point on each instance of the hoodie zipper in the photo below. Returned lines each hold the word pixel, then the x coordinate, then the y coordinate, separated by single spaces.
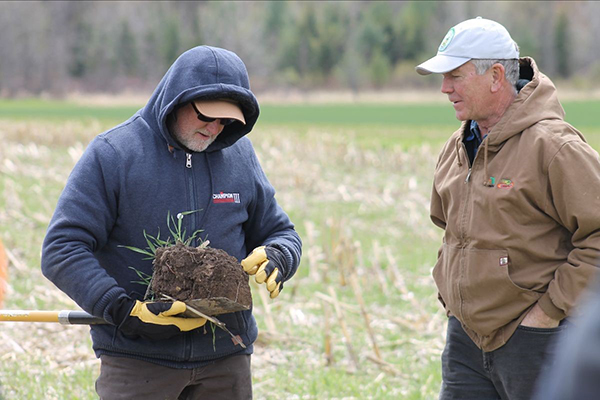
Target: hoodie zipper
pixel 188 344
pixel 192 191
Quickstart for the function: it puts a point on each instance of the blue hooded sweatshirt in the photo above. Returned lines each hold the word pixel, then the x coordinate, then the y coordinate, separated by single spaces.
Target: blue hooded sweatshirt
pixel 129 179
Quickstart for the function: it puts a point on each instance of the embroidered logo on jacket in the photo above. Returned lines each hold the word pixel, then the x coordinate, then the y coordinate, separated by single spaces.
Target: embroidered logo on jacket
pixel 226 197
pixel 505 184
pixel 502 183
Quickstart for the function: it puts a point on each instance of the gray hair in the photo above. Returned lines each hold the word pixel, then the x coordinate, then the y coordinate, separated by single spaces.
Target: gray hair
pixel 511 67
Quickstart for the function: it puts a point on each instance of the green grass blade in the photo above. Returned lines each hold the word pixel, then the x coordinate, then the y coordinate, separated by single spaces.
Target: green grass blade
pixel 145 278
pixel 190 212
pixel 137 250
pixel 151 245
pixel 169 222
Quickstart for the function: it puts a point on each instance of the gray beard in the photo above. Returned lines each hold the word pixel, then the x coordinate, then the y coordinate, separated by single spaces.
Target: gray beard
pixel 183 143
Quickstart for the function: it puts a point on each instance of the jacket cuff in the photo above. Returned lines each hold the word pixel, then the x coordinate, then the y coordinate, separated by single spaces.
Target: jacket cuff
pixel 549 308
pixel 288 258
pixel 103 308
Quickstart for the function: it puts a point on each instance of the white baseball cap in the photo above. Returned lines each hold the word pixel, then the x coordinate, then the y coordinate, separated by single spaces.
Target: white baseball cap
pixel 473 38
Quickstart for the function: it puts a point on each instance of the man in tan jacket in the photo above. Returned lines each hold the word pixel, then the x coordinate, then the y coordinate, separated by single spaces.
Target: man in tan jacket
pixel 517 191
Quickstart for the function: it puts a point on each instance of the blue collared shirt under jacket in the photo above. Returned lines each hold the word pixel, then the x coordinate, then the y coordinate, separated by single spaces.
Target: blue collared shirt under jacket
pixel 473 140
pixel 131 176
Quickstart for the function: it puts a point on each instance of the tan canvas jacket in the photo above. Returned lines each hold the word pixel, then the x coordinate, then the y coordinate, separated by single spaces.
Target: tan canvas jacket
pixel 522 224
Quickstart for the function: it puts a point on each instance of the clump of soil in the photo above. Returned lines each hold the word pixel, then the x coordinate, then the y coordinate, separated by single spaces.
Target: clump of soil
pixel 207 277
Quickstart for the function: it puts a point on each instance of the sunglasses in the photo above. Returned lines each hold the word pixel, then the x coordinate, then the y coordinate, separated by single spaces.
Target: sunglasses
pixel 204 118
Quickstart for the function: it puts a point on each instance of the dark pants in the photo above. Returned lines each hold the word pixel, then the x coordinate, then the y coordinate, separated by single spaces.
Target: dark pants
pixel 508 373
pixel 127 378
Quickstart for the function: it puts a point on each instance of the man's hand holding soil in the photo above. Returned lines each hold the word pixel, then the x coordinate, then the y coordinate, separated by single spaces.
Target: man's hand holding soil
pixel 268 264
pixel 153 320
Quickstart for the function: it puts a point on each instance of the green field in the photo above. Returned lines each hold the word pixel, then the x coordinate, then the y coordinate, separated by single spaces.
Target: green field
pixel 374 124
pixel 578 113
pixel 356 181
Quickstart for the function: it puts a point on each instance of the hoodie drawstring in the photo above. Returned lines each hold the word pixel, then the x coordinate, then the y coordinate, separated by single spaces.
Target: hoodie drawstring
pixel 489 181
pixel 457 148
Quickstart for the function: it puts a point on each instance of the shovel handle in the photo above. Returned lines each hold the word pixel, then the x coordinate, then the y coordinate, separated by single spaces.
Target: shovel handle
pixel 64 317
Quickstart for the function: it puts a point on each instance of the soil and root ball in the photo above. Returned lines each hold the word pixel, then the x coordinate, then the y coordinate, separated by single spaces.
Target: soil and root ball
pixel 192 273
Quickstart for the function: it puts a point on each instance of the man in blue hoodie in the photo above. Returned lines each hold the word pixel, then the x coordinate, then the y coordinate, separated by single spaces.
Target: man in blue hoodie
pixel 185 150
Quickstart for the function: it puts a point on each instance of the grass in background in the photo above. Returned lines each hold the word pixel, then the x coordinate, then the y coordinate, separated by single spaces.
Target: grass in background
pixel 60 111
pixel 580 113
pixel 370 124
pixel 356 185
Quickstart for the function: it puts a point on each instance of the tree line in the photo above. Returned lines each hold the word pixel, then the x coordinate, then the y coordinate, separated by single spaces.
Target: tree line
pixel 60 46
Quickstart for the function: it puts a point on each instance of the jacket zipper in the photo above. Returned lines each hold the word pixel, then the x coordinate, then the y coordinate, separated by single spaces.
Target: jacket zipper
pixel 192 192
pixel 468 178
pixel 465 205
pixel 463 236
pixel 188 344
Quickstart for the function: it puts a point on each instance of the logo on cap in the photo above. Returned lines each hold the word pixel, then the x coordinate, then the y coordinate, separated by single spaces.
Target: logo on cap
pixel 447 40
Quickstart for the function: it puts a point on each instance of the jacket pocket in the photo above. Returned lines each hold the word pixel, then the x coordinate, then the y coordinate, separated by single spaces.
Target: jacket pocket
pixel 446 278
pixel 490 299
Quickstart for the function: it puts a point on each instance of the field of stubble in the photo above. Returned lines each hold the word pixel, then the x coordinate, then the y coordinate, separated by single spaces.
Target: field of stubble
pixel 360 320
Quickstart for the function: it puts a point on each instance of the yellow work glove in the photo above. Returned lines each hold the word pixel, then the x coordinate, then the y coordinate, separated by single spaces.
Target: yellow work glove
pixel 268 265
pixel 153 320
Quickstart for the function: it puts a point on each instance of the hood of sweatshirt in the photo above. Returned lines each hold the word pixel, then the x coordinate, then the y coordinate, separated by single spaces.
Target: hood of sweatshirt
pixel 203 72
pixel 537 101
